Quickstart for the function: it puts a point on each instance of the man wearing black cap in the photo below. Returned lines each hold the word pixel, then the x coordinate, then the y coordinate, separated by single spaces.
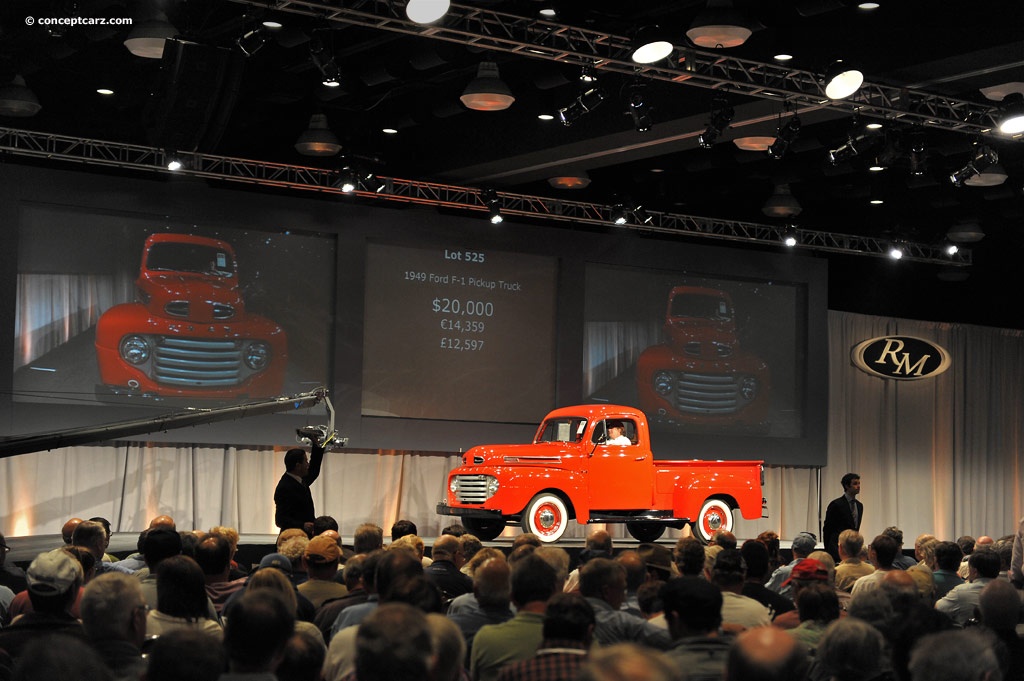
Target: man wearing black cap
pixel 292 497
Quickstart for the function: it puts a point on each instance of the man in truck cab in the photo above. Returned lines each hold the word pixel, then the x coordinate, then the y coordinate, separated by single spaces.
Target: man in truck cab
pixel 617 435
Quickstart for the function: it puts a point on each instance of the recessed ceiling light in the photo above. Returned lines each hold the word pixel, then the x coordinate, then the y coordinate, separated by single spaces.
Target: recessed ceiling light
pixel 876 167
pixel 548 12
pixel 877 202
pixel 868 6
pixel 389 131
pixel 105 91
pixel 873 126
pixel 272 25
pixel 657 170
pixel 546 117
pixel 782 56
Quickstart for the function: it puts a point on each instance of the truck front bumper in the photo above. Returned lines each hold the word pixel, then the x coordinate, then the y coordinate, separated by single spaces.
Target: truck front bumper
pixel 444 509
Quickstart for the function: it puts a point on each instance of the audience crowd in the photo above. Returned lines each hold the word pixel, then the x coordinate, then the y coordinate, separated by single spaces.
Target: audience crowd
pixel 182 607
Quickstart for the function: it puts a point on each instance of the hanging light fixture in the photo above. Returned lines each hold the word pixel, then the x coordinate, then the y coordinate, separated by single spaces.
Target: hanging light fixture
pixel 842 80
pixel 17 100
pixel 487 92
pixel 147 38
pixel 719 26
pixel 426 11
pixel 318 139
pixel 782 203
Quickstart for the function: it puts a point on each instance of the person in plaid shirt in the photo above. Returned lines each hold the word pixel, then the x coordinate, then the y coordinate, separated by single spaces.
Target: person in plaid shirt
pixel 568 632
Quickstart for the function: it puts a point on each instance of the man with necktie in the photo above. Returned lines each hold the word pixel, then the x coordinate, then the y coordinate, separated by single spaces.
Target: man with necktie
pixel 844 513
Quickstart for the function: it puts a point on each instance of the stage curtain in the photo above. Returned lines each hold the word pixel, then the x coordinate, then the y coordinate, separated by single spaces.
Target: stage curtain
pixel 941 455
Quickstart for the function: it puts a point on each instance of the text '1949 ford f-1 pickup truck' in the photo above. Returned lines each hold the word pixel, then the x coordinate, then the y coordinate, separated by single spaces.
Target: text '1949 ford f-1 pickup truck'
pixel 579 467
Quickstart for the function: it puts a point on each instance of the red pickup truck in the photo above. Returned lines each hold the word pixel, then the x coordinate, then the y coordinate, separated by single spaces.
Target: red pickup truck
pixel 700 376
pixel 188 334
pixel 572 471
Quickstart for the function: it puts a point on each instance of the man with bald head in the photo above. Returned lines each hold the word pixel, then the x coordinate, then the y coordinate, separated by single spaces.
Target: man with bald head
pixel 445 572
pixel 766 654
pixel 163 522
pixel 67 532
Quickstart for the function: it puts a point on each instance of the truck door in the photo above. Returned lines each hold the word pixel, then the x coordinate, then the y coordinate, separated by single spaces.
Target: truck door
pixel 620 476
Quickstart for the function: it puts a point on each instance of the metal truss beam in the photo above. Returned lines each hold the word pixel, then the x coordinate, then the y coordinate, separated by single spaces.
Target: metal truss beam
pixel 550 41
pixel 303 178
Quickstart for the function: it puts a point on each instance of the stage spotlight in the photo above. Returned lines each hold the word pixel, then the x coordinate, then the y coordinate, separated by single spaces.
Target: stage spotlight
pixel 722 114
pixel 493 203
pixel 896 251
pixel 250 43
pixel 984 156
pixel 584 104
pixel 426 11
pixel 639 110
pixel 652 44
pixel 786 136
pixel 173 161
pixel 790 238
pixel 842 80
pixel 347 180
pixel 1011 114
pixel 619 215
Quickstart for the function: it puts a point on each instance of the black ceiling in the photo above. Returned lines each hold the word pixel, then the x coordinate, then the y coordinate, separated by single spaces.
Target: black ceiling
pixel 255 107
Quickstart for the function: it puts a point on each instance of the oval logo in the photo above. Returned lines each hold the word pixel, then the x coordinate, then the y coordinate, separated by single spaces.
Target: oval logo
pixel 904 358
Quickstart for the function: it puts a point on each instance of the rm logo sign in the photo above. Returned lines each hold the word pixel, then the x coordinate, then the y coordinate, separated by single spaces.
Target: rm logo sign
pixel 901 357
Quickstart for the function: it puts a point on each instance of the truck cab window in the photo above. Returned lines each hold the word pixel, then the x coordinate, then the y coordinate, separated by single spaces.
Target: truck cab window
pixel 615 432
pixel 563 430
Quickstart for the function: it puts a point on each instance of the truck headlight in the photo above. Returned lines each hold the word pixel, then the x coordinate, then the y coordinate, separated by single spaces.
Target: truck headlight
pixel 492 487
pixel 257 356
pixel 454 486
pixel 134 349
pixel 749 388
pixel 663 382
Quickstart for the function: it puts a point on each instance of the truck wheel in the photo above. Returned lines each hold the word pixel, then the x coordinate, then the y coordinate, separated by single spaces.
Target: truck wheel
pixel 715 515
pixel 484 529
pixel 645 532
pixel 546 517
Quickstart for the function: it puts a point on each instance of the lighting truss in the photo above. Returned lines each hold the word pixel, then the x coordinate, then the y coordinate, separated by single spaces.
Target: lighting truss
pixel 538 39
pixel 302 178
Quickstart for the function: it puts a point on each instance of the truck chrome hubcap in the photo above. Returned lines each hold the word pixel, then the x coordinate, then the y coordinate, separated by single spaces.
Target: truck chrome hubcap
pixel 546 518
pixel 714 521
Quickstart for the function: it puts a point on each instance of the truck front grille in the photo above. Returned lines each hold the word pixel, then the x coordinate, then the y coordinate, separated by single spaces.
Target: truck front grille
pixel 706 394
pixel 472 489
pixel 198 363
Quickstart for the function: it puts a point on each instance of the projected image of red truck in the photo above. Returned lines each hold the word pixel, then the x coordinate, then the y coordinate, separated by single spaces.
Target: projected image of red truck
pixel 188 335
pixel 700 375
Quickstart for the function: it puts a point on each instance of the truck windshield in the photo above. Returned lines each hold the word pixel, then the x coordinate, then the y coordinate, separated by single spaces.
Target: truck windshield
pixel 705 307
pixel 183 257
pixel 563 430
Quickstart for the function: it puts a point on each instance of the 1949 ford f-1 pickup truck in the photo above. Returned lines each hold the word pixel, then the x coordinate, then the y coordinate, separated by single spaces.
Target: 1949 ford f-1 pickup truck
pixel 571 471
pixel 188 334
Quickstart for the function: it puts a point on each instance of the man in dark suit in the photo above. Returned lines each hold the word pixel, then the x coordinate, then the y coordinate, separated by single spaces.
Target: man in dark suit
pixel 844 513
pixel 292 497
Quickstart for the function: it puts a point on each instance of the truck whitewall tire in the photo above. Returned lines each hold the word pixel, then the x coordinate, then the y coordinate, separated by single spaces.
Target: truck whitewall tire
pixel 546 517
pixel 714 515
